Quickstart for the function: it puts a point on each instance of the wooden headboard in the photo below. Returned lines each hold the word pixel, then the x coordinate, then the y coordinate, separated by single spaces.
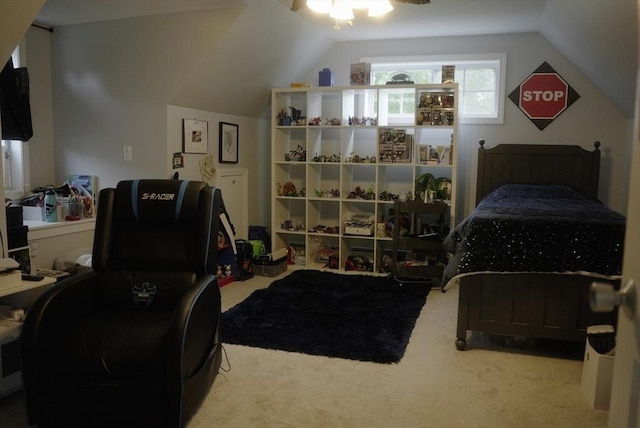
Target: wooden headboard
pixel 538 164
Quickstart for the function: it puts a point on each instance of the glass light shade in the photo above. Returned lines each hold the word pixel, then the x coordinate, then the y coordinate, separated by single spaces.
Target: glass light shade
pixel 341 10
pixel 379 7
pixel 320 6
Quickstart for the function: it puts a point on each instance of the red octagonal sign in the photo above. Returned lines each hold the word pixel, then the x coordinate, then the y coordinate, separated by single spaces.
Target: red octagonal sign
pixel 543 96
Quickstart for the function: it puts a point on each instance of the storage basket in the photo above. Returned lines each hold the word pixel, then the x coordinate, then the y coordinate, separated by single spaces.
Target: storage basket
pixel 270 268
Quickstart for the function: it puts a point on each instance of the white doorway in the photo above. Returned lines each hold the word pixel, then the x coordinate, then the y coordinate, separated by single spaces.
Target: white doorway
pixel 234 186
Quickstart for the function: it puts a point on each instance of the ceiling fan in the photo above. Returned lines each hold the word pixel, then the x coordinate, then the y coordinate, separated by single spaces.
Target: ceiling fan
pixel 301 4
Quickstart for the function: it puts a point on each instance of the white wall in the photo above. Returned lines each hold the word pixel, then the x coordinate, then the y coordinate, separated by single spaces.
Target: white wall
pixel 253 154
pixel 41 171
pixel 592 117
pixel 113 83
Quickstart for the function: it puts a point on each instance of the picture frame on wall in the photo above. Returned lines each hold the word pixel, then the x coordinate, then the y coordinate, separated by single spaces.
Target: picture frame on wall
pixel 228 150
pixel 195 138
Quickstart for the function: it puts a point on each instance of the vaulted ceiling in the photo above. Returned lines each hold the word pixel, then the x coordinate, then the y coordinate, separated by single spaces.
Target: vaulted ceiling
pixel 601 40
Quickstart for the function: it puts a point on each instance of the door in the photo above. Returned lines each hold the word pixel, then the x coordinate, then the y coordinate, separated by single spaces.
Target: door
pixel 624 410
pixel 233 184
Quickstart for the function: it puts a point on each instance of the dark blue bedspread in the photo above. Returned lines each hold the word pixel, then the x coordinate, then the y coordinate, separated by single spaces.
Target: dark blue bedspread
pixel 537 228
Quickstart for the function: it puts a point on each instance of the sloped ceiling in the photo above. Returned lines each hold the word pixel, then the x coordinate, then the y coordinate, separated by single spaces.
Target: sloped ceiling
pixel 15 18
pixel 270 45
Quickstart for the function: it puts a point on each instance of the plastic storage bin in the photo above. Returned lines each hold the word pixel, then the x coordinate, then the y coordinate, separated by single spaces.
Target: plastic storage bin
pixel 597 370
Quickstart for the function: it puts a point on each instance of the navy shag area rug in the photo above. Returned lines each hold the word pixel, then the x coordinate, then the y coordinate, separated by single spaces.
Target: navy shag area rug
pixel 356 317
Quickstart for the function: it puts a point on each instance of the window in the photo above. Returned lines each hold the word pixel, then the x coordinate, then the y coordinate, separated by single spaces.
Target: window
pixel 481 81
pixel 13 152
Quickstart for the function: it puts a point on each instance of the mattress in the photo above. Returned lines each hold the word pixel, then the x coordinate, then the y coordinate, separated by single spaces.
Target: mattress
pixel 537 228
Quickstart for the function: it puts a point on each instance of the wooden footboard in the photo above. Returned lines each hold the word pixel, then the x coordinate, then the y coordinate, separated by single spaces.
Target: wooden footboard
pixel 550 306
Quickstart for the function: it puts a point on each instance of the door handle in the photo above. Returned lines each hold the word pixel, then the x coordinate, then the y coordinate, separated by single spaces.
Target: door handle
pixel 604 298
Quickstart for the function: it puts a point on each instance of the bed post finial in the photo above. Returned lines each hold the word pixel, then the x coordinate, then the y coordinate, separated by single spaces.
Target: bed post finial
pixel 481 142
pixel 596 144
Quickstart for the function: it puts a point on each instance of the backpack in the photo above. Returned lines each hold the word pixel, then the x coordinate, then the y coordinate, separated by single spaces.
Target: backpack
pixel 261 233
pixel 244 259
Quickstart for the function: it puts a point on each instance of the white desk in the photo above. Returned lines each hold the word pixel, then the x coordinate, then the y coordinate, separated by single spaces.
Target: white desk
pixel 43 229
pixel 26 286
pixel 19 296
pixel 47 241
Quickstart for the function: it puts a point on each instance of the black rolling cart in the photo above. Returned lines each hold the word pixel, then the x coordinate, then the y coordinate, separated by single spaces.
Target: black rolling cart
pixel 418 256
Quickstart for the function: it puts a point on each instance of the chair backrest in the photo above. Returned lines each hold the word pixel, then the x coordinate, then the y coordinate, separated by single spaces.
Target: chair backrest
pixel 153 240
pixel 157 225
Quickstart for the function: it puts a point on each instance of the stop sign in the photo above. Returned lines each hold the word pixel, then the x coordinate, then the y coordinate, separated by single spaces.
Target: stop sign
pixel 543 96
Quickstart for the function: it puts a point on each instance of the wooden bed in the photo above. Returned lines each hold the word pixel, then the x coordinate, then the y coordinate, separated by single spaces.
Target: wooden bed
pixel 541 305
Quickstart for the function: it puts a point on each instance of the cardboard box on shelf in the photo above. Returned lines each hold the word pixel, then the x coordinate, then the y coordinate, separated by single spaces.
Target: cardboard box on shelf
pixel 360 74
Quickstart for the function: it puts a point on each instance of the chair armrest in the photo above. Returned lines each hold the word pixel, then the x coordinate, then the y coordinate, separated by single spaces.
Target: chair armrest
pixel 195 327
pixel 50 312
pixel 58 305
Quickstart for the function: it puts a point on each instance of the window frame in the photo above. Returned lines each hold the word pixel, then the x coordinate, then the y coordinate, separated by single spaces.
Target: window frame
pixel 462 61
pixel 15 153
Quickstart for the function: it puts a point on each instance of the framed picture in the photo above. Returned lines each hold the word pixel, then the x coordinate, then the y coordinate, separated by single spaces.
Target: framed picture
pixel 228 143
pixel 195 136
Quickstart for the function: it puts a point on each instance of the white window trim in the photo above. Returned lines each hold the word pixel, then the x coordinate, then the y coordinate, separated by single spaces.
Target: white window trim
pixel 460 59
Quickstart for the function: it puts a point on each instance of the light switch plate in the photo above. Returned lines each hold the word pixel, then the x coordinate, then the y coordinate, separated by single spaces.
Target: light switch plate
pixel 127 153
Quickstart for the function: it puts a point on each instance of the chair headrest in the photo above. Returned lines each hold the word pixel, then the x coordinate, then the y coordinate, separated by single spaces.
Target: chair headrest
pixel 158 201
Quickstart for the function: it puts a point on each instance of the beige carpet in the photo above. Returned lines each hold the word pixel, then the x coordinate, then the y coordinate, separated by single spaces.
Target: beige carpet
pixel 433 386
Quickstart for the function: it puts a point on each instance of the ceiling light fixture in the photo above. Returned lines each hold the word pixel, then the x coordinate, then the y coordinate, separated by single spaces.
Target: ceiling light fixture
pixel 342 10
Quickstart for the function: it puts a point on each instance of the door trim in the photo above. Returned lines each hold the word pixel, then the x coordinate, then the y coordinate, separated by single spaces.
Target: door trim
pixel 244 173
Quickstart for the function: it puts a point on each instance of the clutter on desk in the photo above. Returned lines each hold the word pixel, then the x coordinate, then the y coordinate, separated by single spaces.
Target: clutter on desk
pixel 74 200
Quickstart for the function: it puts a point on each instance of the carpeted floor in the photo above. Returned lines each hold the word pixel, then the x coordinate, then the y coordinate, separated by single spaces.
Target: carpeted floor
pixel 357 317
pixel 491 385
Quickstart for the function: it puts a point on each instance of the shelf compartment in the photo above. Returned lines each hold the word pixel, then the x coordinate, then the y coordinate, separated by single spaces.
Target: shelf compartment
pixel 288 141
pixel 324 251
pixel 353 252
pixel 359 104
pixel 324 181
pixel 359 144
pixel 362 176
pixel 290 214
pixel 324 144
pixel 395 145
pixel 324 213
pixel 435 107
pixel 294 173
pixel 324 104
pixel 397 106
pixel 431 144
pixel 362 212
pixel 282 101
pixel 283 239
